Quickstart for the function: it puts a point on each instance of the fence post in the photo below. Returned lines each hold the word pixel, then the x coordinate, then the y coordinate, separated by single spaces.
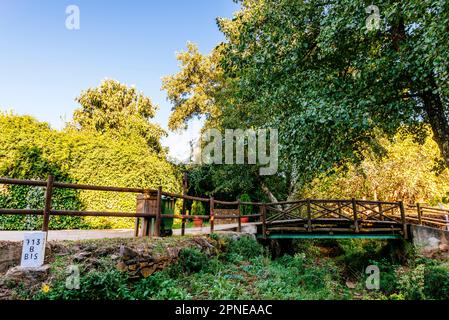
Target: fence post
pixel 157 227
pixel 354 212
pixel 309 216
pixel 239 227
pixel 184 207
pixel 418 208
pixel 404 222
pixel 136 227
pixel 382 218
pixel 47 208
pixel 146 209
pixel 264 221
pixel 211 214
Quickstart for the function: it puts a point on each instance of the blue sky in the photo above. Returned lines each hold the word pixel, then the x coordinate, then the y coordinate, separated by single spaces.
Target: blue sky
pixel 44 66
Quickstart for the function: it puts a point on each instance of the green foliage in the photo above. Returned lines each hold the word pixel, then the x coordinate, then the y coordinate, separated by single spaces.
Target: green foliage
pixel 327 83
pixel 198 209
pixel 119 110
pixel 159 286
pixel 238 272
pixel 411 282
pixel 192 260
pixel 246 209
pixel 95 285
pixel 436 282
pixel 31 150
pixel 406 172
pixel 243 249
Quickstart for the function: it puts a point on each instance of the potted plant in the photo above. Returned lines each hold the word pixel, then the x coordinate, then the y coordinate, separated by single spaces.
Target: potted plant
pixel 198 210
pixel 245 209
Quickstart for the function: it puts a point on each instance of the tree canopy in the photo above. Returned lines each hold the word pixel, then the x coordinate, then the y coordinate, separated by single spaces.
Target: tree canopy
pixel 328 83
pixel 120 110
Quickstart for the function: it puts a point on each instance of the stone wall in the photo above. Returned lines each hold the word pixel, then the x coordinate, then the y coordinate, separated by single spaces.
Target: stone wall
pixel 429 240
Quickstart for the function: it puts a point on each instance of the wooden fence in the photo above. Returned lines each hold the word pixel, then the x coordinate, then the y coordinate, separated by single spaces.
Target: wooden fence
pixel 147 213
pixel 309 215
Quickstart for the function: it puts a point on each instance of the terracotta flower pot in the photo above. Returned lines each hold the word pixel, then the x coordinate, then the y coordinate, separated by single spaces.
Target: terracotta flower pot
pixel 245 219
pixel 197 222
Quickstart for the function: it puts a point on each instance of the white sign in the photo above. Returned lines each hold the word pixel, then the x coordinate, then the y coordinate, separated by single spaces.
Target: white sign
pixel 33 250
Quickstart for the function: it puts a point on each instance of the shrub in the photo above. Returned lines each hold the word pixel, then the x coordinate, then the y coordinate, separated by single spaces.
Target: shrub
pixel 95 285
pixel 436 282
pixel 411 282
pixel 244 248
pixel 198 209
pixel 246 209
pixel 192 260
pixel 32 150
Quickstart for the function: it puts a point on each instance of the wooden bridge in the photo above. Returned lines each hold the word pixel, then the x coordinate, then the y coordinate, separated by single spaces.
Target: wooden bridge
pixel 308 218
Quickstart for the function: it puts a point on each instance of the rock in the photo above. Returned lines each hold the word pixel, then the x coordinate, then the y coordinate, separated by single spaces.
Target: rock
pixel 127 253
pixel 148 271
pixel 443 247
pixel 132 267
pixel 114 257
pixel 10 254
pixel 121 266
pixel 131 261
pixel 350 285
pixel 81 256
pixel 27 276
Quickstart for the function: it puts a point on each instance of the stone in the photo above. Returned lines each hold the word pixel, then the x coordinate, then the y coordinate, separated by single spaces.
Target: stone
pixel 81 256
pixel 121 266
pixel 148 271
pixel 130 261
pixel 443 247
pixel 10 254
pixel 350 284
pixel 127 253
pixel 132 267
pixel 27 276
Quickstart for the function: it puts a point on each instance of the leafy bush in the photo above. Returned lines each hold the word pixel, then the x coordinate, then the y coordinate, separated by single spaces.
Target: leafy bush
pixel 32 150
pixel 246 209
pixel 159 286
pixel 411 282
pixel 95 285
pixel 436 282
pixel 243 249
pixel 198 209
pixel 192 260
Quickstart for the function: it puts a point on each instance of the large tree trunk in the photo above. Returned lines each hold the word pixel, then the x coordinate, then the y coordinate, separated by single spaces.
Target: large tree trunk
pixel 439 121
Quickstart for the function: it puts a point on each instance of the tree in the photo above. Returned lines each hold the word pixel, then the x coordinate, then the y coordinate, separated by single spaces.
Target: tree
pixel 32 150
pixel 407 171
pixel 314 71
pixel 194 90
pixel 120 110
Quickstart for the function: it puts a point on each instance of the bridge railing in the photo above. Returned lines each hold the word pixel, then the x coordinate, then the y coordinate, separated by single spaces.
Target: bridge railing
pixel 423 214
pixel 335 215
pixel 308 215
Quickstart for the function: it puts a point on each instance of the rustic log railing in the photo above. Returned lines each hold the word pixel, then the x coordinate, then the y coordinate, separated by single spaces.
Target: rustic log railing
pixel 147 213
pixel 299 216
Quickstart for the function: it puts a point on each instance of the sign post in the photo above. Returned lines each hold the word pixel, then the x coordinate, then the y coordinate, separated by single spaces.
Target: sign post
pixel 33 250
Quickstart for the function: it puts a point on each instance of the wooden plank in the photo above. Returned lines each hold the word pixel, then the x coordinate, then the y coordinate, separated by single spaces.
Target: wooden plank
pixel 239 228
pixel 47 206
pixel 157 226
pixel 211 213
pixel 354 211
